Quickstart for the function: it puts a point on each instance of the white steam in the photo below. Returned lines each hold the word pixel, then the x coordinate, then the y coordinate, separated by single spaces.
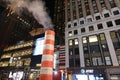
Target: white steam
pixel 39 12
pixel 37 8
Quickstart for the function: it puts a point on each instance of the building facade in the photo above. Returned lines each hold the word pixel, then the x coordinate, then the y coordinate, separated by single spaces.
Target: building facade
pixel 59 21
pixel 16 59
pixel 92 37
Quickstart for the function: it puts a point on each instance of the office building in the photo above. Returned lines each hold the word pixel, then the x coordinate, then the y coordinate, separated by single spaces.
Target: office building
pixel 92 38
pixel 16 59
pixel 59 21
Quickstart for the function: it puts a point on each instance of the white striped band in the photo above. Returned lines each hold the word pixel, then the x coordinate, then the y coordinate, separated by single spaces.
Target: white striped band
pixel 48 36
pixel 47 57
pixel 49 46
pixel 45 70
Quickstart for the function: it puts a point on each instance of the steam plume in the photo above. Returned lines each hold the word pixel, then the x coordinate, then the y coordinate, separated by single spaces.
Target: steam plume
pixel 36 7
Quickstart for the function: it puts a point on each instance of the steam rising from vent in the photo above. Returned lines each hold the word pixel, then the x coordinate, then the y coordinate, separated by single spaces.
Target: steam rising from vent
pixel 36 7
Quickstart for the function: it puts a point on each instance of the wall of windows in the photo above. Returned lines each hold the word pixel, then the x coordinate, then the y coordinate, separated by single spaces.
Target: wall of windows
pixel 96 52
pixel 115 36
pixel 87 7
pixel 74 9
pixel 74 58
pixel 95 8
pixel 112 3
pixel 17 55
pixel 103 5
pixel 80 9
pixel 68 11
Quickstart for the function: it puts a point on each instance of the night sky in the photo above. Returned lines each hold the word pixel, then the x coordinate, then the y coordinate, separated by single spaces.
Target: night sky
pixel 50 7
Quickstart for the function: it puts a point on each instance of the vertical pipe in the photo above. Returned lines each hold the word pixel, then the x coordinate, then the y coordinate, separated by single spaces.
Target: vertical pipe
pixel 47 57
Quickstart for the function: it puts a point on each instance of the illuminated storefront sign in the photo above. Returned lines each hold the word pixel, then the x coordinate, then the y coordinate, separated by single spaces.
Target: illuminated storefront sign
pixel 86 71
pixel 16 75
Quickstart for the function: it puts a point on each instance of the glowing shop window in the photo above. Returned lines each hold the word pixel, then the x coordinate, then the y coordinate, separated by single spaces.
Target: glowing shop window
pixel 93 38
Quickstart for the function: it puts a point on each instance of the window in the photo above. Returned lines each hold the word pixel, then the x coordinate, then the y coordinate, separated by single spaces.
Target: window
pixel 91 28
pixel 97 61
pixel 119 59
pixel 115 40
pixel 69 25
pixel 97 17
pixel 82 22
pixel 109 24
pixel 77 62
pixel 71 62
pixel 75 32
pixel 70 33
pixel 84 39
pixel 70 43
pixel 76 51
pixel 75 24
pixel 106 15
pixel 89 20
pixel 117 22
pixel 108 61
pixel 87 61
pixel 93 38
pixel 113 35
pixel 94 49
pixel 116 12
pixel 100 26
pixel 102 37
pixel 104 47
pixel 70 52
pixel 85 49
pixel 76 41
pixel 82 30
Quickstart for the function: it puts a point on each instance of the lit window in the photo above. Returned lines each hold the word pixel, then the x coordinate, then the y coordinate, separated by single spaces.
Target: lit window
pixel 94 61
pixel 97 61
pixel 102 37
pixel 108 61
pixel 93 38
pixel 115 40
pixel 84 39
pixel 76 41
pixel 70 43
pixel 113 35
pixel 70 33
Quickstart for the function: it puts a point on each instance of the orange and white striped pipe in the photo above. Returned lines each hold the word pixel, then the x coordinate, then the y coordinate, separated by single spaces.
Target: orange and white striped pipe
pixel 46 71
